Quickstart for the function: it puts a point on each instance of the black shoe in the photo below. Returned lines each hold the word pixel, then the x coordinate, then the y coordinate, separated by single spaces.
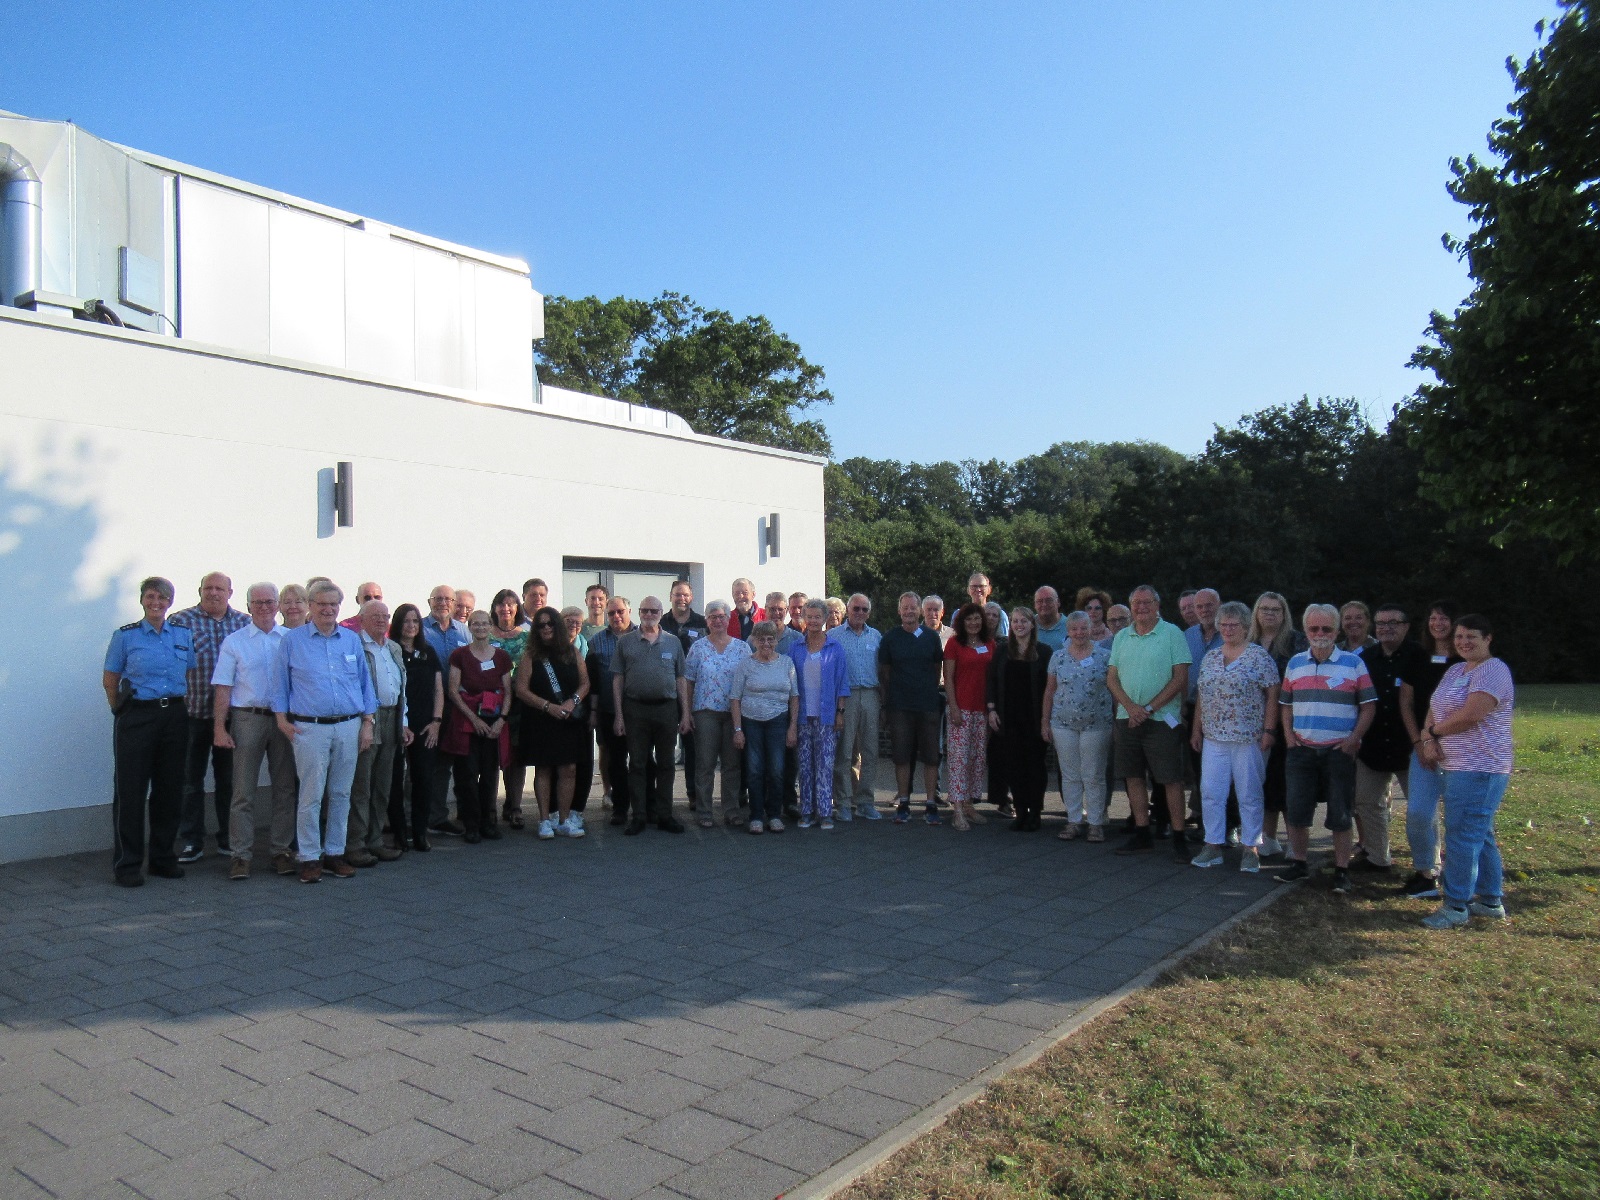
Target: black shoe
pixel 1138 842
pixel 1294 873
pixel 224 847
pixel 471 837
pixel 1180 847
pixel 448 828
pixel 167 871
pixel 421 843
pixel 1341 881
pixel 1020 825
pixel 1420 887
pixel 618 818
pixel 191 852
pixel 1366 864
pixel 636 825
pixel 129 879
pixel 491 833
pixel 791 812
pixel 670 825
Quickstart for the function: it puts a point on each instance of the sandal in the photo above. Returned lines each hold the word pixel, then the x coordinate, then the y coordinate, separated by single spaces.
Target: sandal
pixel 1097 833
pixel 514 819
pixel 1070 833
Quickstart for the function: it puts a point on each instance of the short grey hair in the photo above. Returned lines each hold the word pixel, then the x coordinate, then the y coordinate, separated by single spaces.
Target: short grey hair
pixel 763 629
pixel 1324 610
pixel 1235 611
pixel 914 596
pixel 721 606
pixel 1145 587
pixel 367 607
pixel 160 584
pixel 1212 592
pixel 862 596
pixel 747 583
pixel 322 587
pixel 1079 615
pixel 932 598
pixel 819 604
pixel 250 592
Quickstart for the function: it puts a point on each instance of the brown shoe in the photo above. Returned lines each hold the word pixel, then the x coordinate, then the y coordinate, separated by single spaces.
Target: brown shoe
pixel 385 854
pixel 284 864
pixel 310 872
pixel 336 866
pixel 360 858
pixel 240 869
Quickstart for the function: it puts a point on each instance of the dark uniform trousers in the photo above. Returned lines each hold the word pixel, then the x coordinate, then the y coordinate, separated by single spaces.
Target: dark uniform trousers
pixel 149 743
pixel 203 752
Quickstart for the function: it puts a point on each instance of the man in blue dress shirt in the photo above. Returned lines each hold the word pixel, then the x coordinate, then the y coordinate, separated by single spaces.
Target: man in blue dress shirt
pixel 325 704
pixel 146 677
pixel 445 634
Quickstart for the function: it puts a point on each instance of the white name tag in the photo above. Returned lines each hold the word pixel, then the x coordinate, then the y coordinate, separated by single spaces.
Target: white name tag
pixel 1440 658
pixel 919 631
pixel 666 655
pixel 1172 721
pixel 981 650
pixel 486 664
pixel 349 658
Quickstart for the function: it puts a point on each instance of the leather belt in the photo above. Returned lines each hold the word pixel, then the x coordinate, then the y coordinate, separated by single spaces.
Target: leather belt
pixel 323 720
pixel 252 708
pixel 159 702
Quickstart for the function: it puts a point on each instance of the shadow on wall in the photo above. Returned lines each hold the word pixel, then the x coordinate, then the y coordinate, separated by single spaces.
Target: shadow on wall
pixel 57 748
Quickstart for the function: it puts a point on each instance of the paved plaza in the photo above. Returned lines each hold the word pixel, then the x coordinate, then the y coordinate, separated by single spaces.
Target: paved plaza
pixel 712 1015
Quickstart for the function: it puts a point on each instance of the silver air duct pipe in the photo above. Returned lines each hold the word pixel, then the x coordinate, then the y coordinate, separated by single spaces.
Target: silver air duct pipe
pixel 21 226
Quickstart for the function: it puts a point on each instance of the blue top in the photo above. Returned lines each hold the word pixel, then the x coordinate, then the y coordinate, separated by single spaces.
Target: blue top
pixel 860 653
pixel 322 675
pixel 835 681
pixel 1198 649
pixel 155 662
pixel 1054 638
pixel 601 647
pixel 444 641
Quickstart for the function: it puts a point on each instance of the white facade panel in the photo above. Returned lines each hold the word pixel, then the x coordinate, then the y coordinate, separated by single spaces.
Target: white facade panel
pixel 105 436
pixel 223 280
pixel 305 287
pixel 438 318
pixel 505 347
pixel 467 285
pixel 380 305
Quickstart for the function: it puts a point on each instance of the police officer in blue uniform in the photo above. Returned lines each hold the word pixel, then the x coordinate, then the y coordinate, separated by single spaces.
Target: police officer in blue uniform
pixel 146 675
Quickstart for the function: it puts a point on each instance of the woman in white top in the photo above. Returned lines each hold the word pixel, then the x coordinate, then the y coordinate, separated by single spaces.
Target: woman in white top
pixel 765 702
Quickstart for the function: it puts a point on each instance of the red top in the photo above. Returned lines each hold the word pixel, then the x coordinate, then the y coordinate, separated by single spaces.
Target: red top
pixel 485 689
pixel 972 672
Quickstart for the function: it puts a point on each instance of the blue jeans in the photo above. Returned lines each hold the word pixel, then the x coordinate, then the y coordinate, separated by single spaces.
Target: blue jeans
pixel 1471 854
pixel 1424 792
pixel 763 766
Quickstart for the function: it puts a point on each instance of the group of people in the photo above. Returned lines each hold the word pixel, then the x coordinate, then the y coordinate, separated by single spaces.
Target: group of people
pixel 1238 720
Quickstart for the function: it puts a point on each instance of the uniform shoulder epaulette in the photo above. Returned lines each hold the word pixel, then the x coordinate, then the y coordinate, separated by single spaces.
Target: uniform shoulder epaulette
pixel 128 626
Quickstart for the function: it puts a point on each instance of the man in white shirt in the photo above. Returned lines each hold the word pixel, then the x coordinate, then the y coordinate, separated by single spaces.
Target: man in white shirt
pixel 369 791
pixel 242 721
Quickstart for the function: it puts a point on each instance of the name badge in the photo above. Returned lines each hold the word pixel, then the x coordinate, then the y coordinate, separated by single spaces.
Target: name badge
pixel 1172 721
pixel 1441 658
pixel 981 650
pixel 350 658
pixel 666 656
pixel 486 663
pixel 919 631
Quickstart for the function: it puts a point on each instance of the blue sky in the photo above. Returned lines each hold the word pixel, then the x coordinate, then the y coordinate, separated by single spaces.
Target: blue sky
pixel 995 227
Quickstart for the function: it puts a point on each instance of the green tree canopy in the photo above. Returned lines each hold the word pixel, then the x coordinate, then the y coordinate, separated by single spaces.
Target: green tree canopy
pixel 733 378
pixel 1510 432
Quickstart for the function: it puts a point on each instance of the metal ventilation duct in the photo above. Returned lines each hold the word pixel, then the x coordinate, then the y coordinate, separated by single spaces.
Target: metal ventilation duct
pixel 21 226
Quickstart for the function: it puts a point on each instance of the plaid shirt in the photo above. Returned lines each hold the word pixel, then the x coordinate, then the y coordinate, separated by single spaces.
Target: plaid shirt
pixel 208 633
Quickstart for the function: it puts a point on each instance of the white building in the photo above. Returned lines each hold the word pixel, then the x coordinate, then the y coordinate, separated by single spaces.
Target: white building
pixel 264 341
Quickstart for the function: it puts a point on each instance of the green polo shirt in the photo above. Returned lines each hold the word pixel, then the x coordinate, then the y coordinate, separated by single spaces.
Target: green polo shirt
pixel 1144 663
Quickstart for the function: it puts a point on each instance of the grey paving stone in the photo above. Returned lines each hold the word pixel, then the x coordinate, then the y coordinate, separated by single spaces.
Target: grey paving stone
pixel 431 1182
pixel 734 1173
pixel 586 1125
pixel 383 1105
pixel 509 1158
pixel 211 1172
pixel 918 1086
pixel 624 1060
pixel 691 1134
pixel 320 1178
pixel 860 1051
pixel 619 1171
pixel 993 1035
pixel 655 1094
pixel 556 1085
pixel 755 1104
pixel 810 1075
pixel 802 1145
pixel 715 1067
pixel 295 1139
pixel 74 1171
pixel 862 1113
pixel 481 1115
pixel 769 1044
pixel 191 1132
pixel 398 1148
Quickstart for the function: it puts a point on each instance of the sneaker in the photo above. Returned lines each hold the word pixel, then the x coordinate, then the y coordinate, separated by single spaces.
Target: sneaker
pixel 547 829
pixel 843 813
pixel 191 852
pixel 1137 842
pixel 335 865
pixel 1250 861
pixel 1341 881
pixel 868 812
pixel 1180 847
pixel 1295 873
pixel 1209 856
pixel 1420 887
pixel 284 864
pixel 1495 912
pixel 756 827
pixel 1446 918
pixel 1271 847
pixel 775 825
pixel 805 822
pixel 310 872
pixel 570 828
pixel 240 869
pixel 902 810
pixel 930 813
pixel 575 818
pixel 705 821
pixel 827 823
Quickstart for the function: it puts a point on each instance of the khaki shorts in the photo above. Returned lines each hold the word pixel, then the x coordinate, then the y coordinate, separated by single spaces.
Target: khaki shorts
pixel 1153 746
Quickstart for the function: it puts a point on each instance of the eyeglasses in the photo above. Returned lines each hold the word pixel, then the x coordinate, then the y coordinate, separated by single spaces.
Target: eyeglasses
pixel 649 612
pixel 544 625
pixel 1319 629
pixel 859 608
pixel 1393 624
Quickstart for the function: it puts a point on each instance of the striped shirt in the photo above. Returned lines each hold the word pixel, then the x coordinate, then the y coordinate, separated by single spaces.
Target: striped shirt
pixel 1487 745
pixel 1326 697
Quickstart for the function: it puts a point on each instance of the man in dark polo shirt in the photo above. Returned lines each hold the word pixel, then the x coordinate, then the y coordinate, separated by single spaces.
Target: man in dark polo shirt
pixel 688 626
pixel 910 662
pixel 1385 752
pixel 652 706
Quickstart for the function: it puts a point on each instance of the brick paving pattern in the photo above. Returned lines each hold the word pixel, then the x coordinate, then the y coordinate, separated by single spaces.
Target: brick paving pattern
pixel 712 1015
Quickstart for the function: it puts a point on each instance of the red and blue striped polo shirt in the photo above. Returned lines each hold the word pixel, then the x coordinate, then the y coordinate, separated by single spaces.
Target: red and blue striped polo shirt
pixel 1326 696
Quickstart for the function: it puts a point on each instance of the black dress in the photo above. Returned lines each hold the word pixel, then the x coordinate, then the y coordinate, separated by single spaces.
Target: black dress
pixel 1016 689
pixel 548 741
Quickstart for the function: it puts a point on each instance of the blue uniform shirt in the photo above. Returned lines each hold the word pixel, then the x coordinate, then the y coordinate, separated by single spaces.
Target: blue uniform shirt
pixel 322 675
pixel 155 662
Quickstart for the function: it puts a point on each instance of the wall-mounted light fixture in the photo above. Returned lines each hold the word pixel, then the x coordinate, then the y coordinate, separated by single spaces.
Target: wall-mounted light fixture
pixel 772 535
pixel 336 499
pixel 344 494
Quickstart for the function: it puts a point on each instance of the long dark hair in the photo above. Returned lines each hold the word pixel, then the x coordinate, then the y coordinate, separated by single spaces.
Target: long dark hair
pixel 1448 608
pixel 960 623
pixel 398 620
pixel 560 642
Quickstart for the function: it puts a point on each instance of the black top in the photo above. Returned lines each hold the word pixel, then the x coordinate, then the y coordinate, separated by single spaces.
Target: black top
pixel 915 662
pixel 1016 689
pixel 1387 745
pixel 422 668
pixel 688 631
pixel 538 674
pixel 1429 671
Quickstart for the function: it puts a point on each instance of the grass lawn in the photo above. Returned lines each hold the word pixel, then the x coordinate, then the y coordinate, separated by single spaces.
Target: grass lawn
pixel 1334 1048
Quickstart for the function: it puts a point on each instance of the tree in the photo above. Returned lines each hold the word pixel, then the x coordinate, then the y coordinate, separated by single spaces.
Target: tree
pixel 1510 432
pixel 728 378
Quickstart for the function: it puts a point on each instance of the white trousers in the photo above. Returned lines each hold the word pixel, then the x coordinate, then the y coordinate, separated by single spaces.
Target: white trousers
pixel 1237 765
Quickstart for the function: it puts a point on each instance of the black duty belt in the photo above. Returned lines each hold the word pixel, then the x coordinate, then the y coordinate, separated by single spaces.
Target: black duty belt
pixel 158 702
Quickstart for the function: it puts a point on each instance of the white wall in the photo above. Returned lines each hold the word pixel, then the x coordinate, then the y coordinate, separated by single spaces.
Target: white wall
pixel 123 455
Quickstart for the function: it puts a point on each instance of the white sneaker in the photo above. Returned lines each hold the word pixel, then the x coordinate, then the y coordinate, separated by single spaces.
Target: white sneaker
pixel 576 819
pixel 826 823
pixel 547 829
pixel 572 826
pixel 755 827
pixel 1270 847
pixel 775 825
